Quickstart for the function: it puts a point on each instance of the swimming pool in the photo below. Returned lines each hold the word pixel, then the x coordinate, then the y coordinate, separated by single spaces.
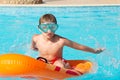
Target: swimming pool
pixel 95 26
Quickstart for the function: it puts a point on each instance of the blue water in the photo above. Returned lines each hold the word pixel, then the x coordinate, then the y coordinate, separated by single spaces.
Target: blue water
pixel 92 26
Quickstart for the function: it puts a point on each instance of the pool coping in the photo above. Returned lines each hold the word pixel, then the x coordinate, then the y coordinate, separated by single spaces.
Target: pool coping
pixel 53 5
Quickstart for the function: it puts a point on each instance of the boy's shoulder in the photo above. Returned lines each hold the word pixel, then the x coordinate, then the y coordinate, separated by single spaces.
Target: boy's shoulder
pixel 36 35
pixel 60 36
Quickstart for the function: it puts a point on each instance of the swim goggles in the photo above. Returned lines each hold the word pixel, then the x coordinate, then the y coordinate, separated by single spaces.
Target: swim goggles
pixel 44 27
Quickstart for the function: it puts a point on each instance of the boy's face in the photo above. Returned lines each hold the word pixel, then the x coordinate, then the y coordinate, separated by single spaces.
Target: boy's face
pixel 48 28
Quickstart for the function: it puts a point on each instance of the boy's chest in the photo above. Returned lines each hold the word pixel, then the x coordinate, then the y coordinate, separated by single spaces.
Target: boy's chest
pixel 49 46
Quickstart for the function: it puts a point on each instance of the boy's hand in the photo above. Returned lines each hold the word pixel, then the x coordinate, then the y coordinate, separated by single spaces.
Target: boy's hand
pixel 99 50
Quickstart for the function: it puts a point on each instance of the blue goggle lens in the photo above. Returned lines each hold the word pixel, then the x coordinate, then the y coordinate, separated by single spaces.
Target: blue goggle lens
pixel 46 27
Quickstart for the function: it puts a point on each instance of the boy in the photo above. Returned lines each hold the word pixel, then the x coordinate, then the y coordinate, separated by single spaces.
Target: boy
pixel 50 45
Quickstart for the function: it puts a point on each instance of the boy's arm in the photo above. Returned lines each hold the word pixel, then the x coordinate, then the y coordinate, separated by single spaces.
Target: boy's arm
pixel 33 44
pixel 81 47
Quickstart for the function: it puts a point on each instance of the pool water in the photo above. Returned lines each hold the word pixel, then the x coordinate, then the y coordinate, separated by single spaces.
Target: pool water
pixel 95 26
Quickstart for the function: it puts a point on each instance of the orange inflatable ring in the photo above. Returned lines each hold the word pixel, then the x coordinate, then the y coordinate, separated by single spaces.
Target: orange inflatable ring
pixel 18 65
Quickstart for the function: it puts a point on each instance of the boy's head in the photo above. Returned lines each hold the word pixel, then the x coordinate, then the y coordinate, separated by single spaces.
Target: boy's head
pixel 48 18
pixel 47 23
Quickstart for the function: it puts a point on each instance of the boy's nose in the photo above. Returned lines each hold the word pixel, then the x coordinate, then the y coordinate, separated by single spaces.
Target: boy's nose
pixel 49 31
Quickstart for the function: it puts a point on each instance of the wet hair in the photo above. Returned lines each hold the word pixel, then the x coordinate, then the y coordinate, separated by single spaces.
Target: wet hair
pixel 48 18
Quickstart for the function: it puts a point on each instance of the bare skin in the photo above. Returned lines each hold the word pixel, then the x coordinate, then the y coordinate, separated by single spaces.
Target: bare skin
pixel 50 46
